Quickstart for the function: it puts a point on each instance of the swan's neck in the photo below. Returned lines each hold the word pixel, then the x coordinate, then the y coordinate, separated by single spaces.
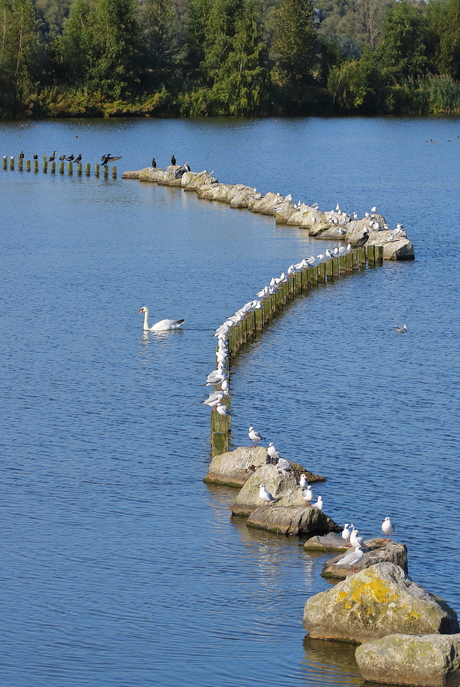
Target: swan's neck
pixel 146 318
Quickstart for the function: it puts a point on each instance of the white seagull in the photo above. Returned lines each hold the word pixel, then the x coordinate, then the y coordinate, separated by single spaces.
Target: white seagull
pixel 354 537
pixel 283 464
pixel 254 436
pixel 223 410
pixel 352 558
pixel 346 534
pixel 162 325
pixel 265 495
pixel 318 504
pixel 388 528
pixel 307 494
pixel 273 453
pixel 303 481
pixel 402 330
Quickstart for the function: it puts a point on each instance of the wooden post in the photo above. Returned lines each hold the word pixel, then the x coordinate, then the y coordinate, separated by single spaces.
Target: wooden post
pixel 370 254
pixel 343 264
pixel 21 164
pixel 36 166
pixel 321 272
pixel 313 275
pixel 354 262
pixel 97 169
pixel 45 160
pixel 69 168
pixel 114 172
pixel 61 167
pixel 379 254
pixel 53 168
pixel 79 168
pixel 219 443
pixel 328 268
pixel 88 169
pixel 361 255
pixel 27 165
pixel 260 319
pixel 106 172
pixel 5 162
pixel 12 163
pixel 335 267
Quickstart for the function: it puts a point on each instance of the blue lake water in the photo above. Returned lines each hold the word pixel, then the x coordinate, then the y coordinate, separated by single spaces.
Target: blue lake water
pixel 119 566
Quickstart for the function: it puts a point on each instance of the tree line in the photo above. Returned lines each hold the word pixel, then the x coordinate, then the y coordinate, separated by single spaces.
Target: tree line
pixel 228 57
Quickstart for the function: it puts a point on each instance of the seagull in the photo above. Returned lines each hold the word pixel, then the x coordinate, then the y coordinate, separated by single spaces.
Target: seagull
pixel 320 257
pixel 388 528
pixel 254 436
pixel 283 464
pixel 307 494
pixel 265 495
pixel 354 537
pixel 346 534
pixel 318 504
pixel 329 253
pixel 355 215
pixel 374 209
pixel 401 330
pixel 303 481
pixel 273 453
pixel 352 558
pixel 288 197
pixel 223 410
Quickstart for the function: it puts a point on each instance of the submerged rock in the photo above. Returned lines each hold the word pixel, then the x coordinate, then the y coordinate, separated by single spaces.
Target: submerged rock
pixel 376 551
pixel 282 485
pixel 328 542
pixel 299 520
pixel 431 660
pixel 234 468
pixel 371 604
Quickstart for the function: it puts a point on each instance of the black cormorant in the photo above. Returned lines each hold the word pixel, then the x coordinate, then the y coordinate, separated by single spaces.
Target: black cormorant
pixel 62 158
pixel 35 157
pixel 53 156
pixel 77 159
pixel 173 160
pixel 187 167
pixel 105 159
pixel 154 163
pixel 70 158
pixel 21 155
pixel 364 239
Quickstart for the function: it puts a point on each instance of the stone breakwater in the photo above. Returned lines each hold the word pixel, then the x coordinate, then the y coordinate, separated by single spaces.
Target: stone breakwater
pixel 331 225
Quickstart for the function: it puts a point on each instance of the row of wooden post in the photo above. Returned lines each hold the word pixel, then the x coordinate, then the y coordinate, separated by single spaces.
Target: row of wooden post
pixel 256 321
pixel 61 169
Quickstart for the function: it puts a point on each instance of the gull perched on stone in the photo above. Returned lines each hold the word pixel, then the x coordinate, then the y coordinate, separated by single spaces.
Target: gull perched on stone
pixel 346 534
pixel 283 464
pixel 354 541
pixel 265 495
pixel 273 453
pixel 388 528
pixel 318 504
pixel 254 436
pixel 307 494
pixel 352 558
pixel 303 481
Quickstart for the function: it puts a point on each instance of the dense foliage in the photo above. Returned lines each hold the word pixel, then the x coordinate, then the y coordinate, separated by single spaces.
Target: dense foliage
pixel 228 57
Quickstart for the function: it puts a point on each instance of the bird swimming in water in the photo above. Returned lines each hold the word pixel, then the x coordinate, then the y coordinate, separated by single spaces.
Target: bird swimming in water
pixel 53 156
pixel 402 330
pixel 162 325
pixel 154 163
pixel 173 160
pixel 77 159
pixel 387 528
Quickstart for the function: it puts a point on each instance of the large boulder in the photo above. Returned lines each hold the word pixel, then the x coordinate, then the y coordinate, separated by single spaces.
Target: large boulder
pixel 199 179
pixel 279 483
pixel 241 196
pixel 234 468
pixel 329 542
pixel 283 211
pixel 429 661
pixel 152 174
pixel 220 192
pixel 266 204
pixel 130 175
pixel 299 520
pixel 376 551
pixel 376 602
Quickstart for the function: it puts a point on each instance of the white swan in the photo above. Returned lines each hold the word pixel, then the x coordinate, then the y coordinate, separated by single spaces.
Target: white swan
pixel 162 325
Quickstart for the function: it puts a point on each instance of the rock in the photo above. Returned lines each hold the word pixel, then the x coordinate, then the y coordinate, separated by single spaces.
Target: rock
pixel 376 602
pixel 235 467
pixel 131 175
pixel 186 178
pixel 199 179
pixel 280 484
pixel 329 542
pixel 334 233
pixel 267 204
pixel 401 249
pixel 378 551
pixel 431 660
pixel 218 192
pixel 241 196
pixel 150 174
pixel 299 520
pixel 284 211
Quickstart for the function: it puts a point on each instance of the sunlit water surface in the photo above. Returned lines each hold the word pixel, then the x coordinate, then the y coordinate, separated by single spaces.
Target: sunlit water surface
pixel 119 566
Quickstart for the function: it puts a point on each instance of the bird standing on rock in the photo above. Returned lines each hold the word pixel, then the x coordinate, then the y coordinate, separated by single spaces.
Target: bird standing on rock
pixel 265 495
pixel 346 534
pixel 352 558
pixel 187 167
pixel 307 495
pixel 273 453
pixel 318 504
pixel 387 528
pixel 154 163
pixel 173 160
pixel 254 436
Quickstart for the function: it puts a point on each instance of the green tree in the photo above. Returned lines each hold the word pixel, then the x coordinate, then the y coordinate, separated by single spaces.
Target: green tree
pixel 402 50
pixel 295 41
pixel 158 21
pixel 444 27
pixel 20 52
